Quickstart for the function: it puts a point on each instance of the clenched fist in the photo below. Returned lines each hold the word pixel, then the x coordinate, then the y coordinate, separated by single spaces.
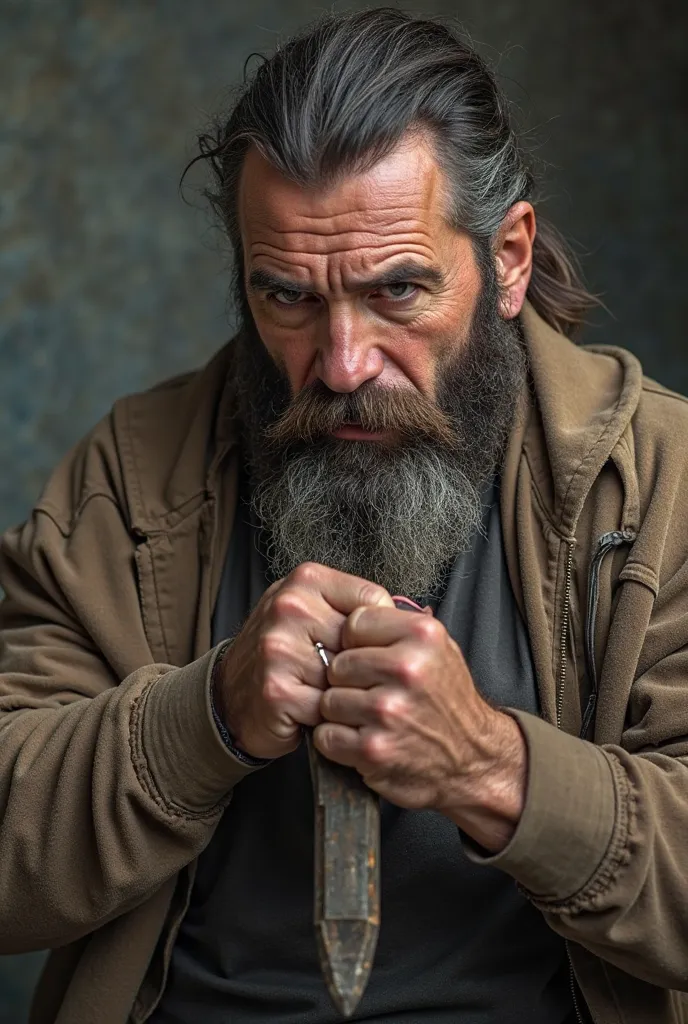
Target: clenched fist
pixel 271 679
pixel 397 703
pixel 402 708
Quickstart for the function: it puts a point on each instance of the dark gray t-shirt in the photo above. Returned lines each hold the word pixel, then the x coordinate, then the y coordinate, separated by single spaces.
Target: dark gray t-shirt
pixel 458 943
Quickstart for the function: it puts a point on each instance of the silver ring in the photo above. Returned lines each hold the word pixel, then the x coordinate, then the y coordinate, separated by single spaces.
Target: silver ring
pixel 320 648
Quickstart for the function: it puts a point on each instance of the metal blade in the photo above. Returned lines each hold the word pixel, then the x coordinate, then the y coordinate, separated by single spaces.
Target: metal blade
pixel 347 878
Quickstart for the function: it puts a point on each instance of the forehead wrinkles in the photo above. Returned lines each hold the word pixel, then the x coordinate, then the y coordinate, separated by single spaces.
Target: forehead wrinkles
pixel 355 229
pixel 363 256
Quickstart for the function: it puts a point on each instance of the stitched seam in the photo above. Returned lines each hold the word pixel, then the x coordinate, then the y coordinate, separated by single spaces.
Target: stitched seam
pixel 625 444
pixel 165 529
pixel 540 500
pixel 142 770
pixel 616 857
pixel 143 603
pixel 157 604
pixel 635 563
pixel 66 528
pixel 130 475
pixel 586 458
pixel 166 526
pixel 46 508
pixel 636 572
pixel 547 519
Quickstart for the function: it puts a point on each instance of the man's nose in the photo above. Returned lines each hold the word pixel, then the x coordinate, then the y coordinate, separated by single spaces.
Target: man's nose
pixel 347 351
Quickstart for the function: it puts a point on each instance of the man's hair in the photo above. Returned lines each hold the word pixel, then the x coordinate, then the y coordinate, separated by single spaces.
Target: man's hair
pixel 340 96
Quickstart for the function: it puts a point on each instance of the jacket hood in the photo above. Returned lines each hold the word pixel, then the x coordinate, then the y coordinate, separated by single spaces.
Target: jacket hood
pixel 570 422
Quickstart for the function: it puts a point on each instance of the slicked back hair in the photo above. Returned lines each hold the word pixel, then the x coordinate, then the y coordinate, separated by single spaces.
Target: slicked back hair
pixel 342 94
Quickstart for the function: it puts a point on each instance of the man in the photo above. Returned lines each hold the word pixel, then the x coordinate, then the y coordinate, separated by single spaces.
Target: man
pixel 400 413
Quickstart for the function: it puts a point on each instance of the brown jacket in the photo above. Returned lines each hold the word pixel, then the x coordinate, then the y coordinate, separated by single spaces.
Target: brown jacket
pixel 113 777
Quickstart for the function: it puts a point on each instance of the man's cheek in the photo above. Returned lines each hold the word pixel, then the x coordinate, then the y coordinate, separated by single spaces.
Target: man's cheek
pixel 293 356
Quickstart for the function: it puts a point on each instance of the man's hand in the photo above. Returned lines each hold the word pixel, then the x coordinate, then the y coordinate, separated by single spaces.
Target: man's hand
pixel 271 678
pixel 403 710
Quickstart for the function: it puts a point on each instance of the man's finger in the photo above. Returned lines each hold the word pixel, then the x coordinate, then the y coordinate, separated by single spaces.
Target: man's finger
pixel 382 626
pixel 349 707
pixel 340 590
pixel 339 743
pixel 362 668
pixel 300 703
pixel 295 658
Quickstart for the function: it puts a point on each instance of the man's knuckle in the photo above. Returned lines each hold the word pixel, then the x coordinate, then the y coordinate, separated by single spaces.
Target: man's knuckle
pixel 274 690
pixel 273 646
pixel 389 708
pixel 375 748
pixel 373 593
pixel 325 739
pixel 350 627
pixel 328 702
pixel 411 672
pixel 426 629
pixel 311 715
pixel 339 666
pixel 289 603
pixel 305 574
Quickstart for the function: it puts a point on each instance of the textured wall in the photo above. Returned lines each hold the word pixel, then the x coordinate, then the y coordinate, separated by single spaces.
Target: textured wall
pixel 108 282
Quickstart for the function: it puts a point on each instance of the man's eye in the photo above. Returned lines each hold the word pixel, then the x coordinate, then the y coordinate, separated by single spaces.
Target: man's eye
pixel 287 296
pixel 403 290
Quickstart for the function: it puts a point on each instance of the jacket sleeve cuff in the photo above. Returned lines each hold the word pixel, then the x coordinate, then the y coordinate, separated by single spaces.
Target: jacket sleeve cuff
pixel 188 765
pixel 241 755
pixel 568 818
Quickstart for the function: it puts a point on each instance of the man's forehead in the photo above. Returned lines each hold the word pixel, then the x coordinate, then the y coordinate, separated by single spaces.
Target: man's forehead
pixel 402 191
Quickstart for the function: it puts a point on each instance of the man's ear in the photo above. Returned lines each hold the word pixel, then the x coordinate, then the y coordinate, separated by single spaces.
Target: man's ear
pixel 514 258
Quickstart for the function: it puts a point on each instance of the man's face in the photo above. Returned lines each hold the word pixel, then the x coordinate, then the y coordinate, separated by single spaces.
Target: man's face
pixel 364 281
pixel 376 374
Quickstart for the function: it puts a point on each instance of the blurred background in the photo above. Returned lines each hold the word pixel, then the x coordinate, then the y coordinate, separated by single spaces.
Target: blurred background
pixel 108 282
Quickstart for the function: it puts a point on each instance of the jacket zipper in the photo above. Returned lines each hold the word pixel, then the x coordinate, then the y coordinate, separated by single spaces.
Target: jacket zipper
pixel 606 543
pixel 565 617
pixel 572 984
pixel 565 620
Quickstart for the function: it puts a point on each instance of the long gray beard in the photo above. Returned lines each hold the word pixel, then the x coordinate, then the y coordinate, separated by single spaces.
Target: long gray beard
pixel 395 515
pixel 393 518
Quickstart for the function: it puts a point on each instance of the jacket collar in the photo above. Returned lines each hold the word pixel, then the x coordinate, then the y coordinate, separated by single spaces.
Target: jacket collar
pixel 571 420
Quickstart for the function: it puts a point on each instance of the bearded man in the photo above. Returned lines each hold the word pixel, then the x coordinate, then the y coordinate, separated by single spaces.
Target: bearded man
pixel 401 412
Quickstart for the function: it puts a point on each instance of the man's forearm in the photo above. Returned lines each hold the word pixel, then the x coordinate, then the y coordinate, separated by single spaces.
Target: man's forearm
pixel 488 806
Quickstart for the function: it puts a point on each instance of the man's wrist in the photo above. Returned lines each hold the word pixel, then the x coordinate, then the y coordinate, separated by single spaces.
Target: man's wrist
pixel 218 715
pixel 489 805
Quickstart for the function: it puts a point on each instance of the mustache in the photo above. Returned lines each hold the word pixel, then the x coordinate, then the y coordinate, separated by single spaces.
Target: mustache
pixel 317 411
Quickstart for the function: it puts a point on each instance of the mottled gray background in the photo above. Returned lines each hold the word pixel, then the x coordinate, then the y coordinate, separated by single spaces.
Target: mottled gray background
pixel 108 282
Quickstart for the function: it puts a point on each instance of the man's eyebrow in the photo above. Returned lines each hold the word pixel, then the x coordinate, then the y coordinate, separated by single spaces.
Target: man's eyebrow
pixel 262 279
pixel 409 270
